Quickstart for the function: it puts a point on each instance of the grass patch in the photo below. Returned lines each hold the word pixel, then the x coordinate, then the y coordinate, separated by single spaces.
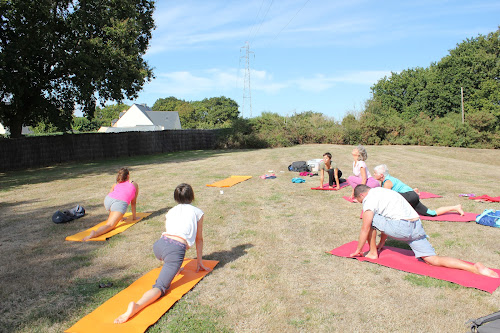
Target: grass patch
pixel 428 282
pixel 188 316
pixel 397 243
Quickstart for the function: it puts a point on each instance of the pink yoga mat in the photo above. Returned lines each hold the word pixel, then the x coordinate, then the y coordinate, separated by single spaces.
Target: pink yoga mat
pixel 326 187
pixel 404 260
pixel 348 199
pixel 486 198
pixel 428 195
pixel 452 217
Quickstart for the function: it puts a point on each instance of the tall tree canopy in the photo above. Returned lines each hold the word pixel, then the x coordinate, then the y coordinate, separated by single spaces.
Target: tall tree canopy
pixel 56 55
pixel 435 91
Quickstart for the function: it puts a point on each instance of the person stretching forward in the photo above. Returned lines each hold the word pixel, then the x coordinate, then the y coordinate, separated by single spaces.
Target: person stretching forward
pixel 387 211
pixel 184 227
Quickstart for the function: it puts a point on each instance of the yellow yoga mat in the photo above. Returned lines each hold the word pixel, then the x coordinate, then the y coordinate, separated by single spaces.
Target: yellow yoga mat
pixel 228 182
pixel 120 227
pixel 101 319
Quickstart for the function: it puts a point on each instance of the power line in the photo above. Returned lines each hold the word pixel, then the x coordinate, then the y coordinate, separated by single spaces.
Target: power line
pixel 292 19
pixel 256 18
pixel 262 21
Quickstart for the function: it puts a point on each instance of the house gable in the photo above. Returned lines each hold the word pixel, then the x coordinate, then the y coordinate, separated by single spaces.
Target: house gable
pixel 135 116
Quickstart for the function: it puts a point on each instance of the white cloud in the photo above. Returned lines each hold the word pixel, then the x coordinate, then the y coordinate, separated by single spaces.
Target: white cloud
pixel 184 84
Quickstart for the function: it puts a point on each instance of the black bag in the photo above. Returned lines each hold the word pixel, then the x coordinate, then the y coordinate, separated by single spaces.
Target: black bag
pixel 486 324
pixel 68 215
pixel 299 166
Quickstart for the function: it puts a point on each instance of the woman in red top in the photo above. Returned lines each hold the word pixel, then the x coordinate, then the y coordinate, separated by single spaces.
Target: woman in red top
pixel 122 194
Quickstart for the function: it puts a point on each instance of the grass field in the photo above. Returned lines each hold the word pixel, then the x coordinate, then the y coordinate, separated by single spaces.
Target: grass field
pixel 270 237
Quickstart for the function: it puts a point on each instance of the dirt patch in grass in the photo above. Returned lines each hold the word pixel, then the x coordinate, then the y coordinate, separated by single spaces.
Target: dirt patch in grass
pixel 269 235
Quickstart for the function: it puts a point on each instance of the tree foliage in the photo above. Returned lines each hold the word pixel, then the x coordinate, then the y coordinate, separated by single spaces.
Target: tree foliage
pixel 215 112
pixel 59 54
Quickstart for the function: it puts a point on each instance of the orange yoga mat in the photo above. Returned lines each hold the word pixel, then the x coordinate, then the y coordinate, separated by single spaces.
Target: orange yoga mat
pixel 101 319
pixel 120 227
pixel 228 182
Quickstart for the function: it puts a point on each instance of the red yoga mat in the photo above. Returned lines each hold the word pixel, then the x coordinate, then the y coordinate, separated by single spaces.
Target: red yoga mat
pixel 348 199
pixel 326 187
pixel 428 195
pixel 486 198
pixel 452 217
pixel 404 260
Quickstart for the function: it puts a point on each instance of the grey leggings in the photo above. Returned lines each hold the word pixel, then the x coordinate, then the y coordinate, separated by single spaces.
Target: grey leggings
pixel 172 253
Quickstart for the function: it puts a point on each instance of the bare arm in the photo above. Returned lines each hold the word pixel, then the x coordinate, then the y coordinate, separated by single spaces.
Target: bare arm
pixel 199 247
pixel 322 177
pixel 133 203
pixel 362 171
pixel 388 184
pixel 363 234
pixel 336 174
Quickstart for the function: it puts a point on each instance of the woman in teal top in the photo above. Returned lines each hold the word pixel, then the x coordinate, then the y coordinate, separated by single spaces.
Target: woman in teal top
pixel 381 173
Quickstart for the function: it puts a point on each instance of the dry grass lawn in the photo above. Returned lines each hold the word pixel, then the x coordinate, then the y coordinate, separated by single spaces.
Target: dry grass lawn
pixel 270 237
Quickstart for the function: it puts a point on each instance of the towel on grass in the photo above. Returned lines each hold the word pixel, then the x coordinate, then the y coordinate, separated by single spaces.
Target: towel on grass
pixel 101 319
pixel 404 260
pixel 486 198
pixel 120 227
pixel 228 182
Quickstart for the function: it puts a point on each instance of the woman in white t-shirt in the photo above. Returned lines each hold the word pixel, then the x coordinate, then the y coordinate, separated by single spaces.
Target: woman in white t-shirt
pixel 184 227
pixel 360 170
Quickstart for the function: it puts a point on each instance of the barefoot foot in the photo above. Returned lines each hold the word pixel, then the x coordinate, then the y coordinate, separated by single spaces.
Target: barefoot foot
pixel 92 234
pixel 179 271
pixel 131 310
pixel 371 255
pixel 460 210
pixel 483 270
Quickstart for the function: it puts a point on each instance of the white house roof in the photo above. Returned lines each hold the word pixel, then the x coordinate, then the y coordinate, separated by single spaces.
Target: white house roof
pixel 139 115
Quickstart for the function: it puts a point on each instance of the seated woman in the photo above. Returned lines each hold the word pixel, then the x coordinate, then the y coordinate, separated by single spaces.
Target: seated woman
pixel 184 227
pixel 122 194
pixel 381 173
pixel 360 171
pixel 333 172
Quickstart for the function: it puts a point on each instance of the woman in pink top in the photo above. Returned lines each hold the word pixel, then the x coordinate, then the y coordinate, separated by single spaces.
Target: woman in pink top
pixel 360 171
pixel 122 194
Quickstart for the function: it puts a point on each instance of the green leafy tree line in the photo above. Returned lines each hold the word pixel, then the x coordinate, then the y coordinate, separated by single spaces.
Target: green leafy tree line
pixel 56 55
pixel 418 97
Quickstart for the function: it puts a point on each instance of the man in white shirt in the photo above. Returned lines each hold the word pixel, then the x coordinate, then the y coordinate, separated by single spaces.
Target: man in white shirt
pixel 387 211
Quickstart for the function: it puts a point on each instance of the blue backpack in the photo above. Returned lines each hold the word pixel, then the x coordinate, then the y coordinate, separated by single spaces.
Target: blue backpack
pixel 489 217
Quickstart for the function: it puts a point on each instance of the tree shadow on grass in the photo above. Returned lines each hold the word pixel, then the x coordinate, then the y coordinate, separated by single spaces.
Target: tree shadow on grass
pixel 225 257
pixel 81 169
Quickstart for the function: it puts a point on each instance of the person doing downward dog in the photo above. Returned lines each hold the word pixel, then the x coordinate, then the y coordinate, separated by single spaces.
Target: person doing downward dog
pixel 360 171
pixel 388 212
pixel 381 173
pixel 329 166
pixel 122 194
pixel 184 227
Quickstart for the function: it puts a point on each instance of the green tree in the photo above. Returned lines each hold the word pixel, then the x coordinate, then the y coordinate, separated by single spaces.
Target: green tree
pixel 215 112
pixel 104 116
pixel 82 124
pixel 185 110
pixel 55 55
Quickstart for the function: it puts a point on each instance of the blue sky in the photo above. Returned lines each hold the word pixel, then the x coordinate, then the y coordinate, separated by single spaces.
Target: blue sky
pixel 319 55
